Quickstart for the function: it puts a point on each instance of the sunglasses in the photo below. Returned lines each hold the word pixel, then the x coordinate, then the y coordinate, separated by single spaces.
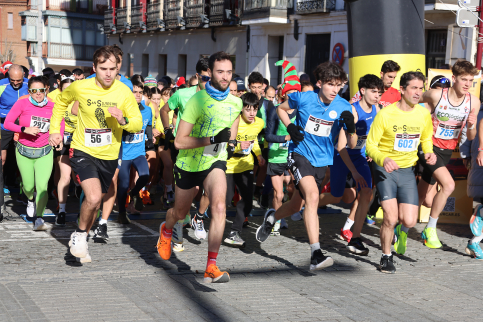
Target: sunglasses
pixel 35 90
pixel 442 80
pixel 205 78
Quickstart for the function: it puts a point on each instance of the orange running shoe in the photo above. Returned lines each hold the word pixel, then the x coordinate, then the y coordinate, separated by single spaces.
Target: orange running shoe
pixel 164 244
pixel 146 197
pixel 214 275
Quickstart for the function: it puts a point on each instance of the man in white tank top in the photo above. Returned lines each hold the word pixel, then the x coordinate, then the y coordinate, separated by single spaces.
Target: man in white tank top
pixel 452 109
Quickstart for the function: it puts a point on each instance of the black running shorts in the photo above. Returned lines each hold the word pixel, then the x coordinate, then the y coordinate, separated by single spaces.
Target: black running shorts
pixel 186 180
pixel 301 167
pixel 442 159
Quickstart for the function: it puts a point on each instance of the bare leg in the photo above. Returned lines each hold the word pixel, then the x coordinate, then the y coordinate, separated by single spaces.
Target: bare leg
pixel 215 189
pixel 92 202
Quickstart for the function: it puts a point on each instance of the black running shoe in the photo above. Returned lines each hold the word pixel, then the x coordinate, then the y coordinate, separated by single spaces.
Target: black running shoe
pixel 60 219
pixel 320 261
pixel 356 246
pixel 101 232
pixel 123 218
pixel 266 228
pixel 387 265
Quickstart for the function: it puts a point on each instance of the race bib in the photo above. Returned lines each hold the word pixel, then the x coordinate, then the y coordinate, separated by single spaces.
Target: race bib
pixel 213 150
pixel 318 127
pixel 248 150
pixel 68 138
pixel 134 137
pixel 97 137
pixel 361 142
pixel 42 123
pixel 283 146
pixel 447 131
pixel 406 142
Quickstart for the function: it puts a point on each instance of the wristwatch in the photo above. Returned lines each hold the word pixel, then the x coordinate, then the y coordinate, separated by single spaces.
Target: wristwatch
pixel 22 129
pixel 234 142
pixel 126 119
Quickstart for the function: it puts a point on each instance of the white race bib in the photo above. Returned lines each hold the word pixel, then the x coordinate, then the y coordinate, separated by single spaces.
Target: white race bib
pixel 406 142
pixel 361 142
pixel 134 137
pixel 283 146
pixel 97 137
pixel 42 123
pixel 248 150
pixel 447 131
pixel 68 138
pixel 318 127
pixel 214 150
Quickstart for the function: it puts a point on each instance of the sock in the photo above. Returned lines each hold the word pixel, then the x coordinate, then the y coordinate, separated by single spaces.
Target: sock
pixel 348 224
pixel 61 207
pixel 271 218
pixel 169 187
pixel 78 230
pixel 167 233
pixel 199 215
pixel 477 240
pixel 404 228
pixel 102 221
pixel 211 259
pixel 313 248
pixel 432 222
pixel 386 255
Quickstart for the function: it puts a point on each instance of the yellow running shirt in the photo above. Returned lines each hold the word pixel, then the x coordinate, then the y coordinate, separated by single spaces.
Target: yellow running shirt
pixel 396 134
pixel 69 118
pixel 93 116
pixel 246 132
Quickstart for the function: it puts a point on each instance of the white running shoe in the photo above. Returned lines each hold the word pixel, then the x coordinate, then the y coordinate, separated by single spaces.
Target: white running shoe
pixel 178 247
pixel 78 244
pixel 31 208
pixel 199 228
pixel 177 237
pixel 40 225
pixel 84 260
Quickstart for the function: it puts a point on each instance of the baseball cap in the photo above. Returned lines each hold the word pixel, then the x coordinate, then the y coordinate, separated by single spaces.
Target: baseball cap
pixel 240 84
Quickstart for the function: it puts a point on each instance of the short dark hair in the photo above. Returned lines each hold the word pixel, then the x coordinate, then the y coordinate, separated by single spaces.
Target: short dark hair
pixel 155 90
pixel 38 79
pixel 65 81
pixel 306 84
pixel 371 81
pixel 390 66
pixel 65 72
pixel 270 87
pixel 250 99
pixel 202 65
pixel 163 82
pixel 436 82
pixel 409 76
pixel 464 67
pixel 266 82
pixel 77 72
pixel 102 54
pixel 147 91
pixel 255 78
pixel 166 91
pixel 137 83
pixel 117 50
pixel 48 72
pixel 137 78
pixel 219 56
pixel 329 71
pixel 192 78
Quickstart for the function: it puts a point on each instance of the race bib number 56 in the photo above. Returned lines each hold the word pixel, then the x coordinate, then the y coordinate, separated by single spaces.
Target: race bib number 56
pixel 406 142
pixel 97 137
pixel 318 127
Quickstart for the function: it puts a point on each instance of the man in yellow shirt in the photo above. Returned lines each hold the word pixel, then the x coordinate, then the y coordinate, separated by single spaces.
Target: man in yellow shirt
pixel 106 109
pixel 392 143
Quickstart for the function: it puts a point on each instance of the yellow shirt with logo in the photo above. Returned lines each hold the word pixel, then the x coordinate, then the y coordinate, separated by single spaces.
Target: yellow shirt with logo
pixel 246 132
pixel 94 102
pixel 69 118
pixel 396 134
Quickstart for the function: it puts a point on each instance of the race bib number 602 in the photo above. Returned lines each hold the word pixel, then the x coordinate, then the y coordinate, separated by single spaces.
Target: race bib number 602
pixel 97 137
pixel 406 142
pixel 318 127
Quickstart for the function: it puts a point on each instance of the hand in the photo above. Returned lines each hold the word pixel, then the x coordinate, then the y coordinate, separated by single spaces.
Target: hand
pixel 430 158
pixel 59 147
pixel 245 144
pixel 222 136
pixel 360 181
pixel 231 150
pixel 261 161
pixel 479 159
pixel 117 114
pixel 32 130
pixel 156 133
pixel 168 136
pixel 54 139
pixel 369 159
pixel 390 165
pixel 287 138
pixel 294 132
pixel 347 118
pixel 471 120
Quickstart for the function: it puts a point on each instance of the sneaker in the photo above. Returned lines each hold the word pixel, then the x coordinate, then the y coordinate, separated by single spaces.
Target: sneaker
pixel 199 228
pixel 266 227
pixel 245 222
pixel 234 239
pixel 356 246
pixel 276 229
pixel 178 247
pixel 387 265
pixel 430 238
pixel 123 218
pixel 402 240
pixel 39 224
pixel 31 208
pixel 283 224
pixel 474 250
pixel 166 204
pixel 146 197
pixel 177 237
pixel 60 219
pixel 346 234
pixel 78 244
pixel 137 202
pixel 101 232
pixel 370 220
pixel 476 222
pixel 164 244
pixel 84 260
pixel 320 261
pixel 214 275
pixel 6 192
pixel 22 198
pixel 170 196
pixel 297 216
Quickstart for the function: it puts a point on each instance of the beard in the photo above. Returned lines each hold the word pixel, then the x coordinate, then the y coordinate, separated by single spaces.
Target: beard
pixel 218 86
pixel 16 87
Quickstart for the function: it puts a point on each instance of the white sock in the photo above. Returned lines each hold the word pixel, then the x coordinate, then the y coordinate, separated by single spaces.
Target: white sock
pixel 169 187
pixel 61 207
pixel 432 222
pixel 404 228
pixel 102 221
pixel 348 224
pixel 386 254
pixel 314 247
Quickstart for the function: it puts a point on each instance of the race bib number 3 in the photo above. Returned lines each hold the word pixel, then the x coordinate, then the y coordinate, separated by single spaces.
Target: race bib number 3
pixel 134 137
pixel 447 132
pixel 213 150
pixel 42 123
pixel 97 137
pixel 406 142
pixel 361 142
pixel 318 127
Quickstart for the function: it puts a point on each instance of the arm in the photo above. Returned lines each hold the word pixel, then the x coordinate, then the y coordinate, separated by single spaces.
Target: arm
pixel 373 139
pixel 272 125
pixel 131 111
pixel 61 104
pixel 163 113
pixel 472 118
pixel 352 139
pixel 184 141
pixel 347 160
pixel 431 98
pixel 427 134
pixel 12 115
pixel 282 111
pixel 75 108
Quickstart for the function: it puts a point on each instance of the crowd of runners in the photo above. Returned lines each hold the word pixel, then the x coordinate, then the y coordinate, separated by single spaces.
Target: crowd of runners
pixel 213 142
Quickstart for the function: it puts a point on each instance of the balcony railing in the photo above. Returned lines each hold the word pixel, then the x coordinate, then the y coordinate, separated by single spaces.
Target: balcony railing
pixel 314 6
pixel 137 16
pixel 121 18
pixel 195 8
pixel 218 9
pixel 260 9
pixel 154 12
pixel 173 11
pixel 108 20
pixel 69 51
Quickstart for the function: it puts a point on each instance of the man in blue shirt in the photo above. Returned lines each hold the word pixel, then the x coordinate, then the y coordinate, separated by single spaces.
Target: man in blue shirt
pixel 323 118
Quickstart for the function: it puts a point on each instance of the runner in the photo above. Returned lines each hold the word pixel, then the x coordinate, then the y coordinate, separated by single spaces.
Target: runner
pixel 452 109
pixel 78 74
pixel 106 108
pixel 239 168
pixel 392 143
pixel 34 154
pixel 322 117
pixel 233 87
pixel 206 139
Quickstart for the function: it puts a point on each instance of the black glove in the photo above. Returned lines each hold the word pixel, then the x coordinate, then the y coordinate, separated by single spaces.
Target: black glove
pixel 348 119
pixel 294 131
pixel 222 136
pixel 231 150
pixel 168 136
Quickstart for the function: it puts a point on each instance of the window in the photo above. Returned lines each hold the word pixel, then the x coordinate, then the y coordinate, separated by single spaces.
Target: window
pixel 162 65
pixel 182 66
pixel 10 20
pixel 145 65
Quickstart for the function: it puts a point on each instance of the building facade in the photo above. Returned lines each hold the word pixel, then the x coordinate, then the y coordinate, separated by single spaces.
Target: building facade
pixel 10 31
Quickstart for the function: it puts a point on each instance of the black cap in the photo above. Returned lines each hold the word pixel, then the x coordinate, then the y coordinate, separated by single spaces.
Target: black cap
pixel 240 84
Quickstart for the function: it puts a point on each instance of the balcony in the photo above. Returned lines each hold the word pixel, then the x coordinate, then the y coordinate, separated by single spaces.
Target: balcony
pixel 63 5
pixel 218 16
pixel 266 11
pixel 314 6
pixel 154 12
pixel 195 8
pixel 108 20
pixel 138 14
pixel 70 51
pixel 173 11
pixel 121 18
